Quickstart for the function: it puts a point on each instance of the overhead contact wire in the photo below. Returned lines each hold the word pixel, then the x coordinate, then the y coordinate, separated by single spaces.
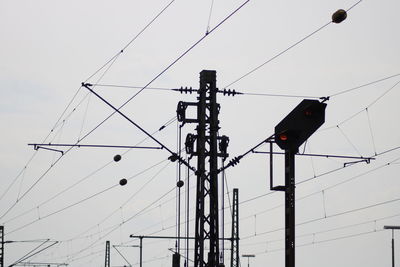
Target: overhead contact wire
pixel 168 67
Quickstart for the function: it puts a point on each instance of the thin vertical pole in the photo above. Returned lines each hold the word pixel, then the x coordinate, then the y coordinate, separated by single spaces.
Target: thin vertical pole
pixel 1 246
pixel 141 251
pixel 289 208
pixel 392 247
pixel 235 230
pixel 107 258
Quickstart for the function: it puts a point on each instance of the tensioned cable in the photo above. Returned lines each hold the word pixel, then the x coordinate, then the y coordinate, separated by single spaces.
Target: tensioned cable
pixel 281 95
pixel 370 130
pixel 64 208
pixel 388 151
pixel 284 51
pixel 309 179
pixel 312 220
pixel 327 188
pixel 34 153
pixel 358 209
pixel 167 68
pixel 277 55
pixel 112 60
pixel 177 89
pixel 93 173
pixel 327 217
pixel 131 197
pixel 322 241
pixel 368 106
pixel 110 227
pixel 260 94
pixel 307 96
pixel 29 254
pixel 364 85
pixel 119 225
pixel 133 87
pixel 209 16
pixel 84 200
pixel 328 230
pixel 348 140
pixel 131 41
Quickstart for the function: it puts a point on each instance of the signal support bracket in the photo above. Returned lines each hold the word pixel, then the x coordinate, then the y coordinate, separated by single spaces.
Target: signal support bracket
pixel 271 170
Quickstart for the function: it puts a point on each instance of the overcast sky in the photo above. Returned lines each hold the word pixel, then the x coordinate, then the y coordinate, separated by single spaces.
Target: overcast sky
pixel 49 47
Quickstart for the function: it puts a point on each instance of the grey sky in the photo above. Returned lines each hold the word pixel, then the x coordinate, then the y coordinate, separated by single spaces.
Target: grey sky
pixel 49 47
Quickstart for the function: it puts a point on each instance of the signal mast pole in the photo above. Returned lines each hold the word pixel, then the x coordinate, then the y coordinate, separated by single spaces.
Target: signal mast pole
pixel 290 134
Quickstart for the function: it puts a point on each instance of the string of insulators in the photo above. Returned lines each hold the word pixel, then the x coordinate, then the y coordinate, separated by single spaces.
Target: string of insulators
pixel 229 92
pixel 185 90
pixel 233 162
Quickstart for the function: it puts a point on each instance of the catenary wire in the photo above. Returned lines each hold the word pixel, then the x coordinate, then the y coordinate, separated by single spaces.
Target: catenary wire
pixel 304 197
pixel 361 111
pixel 132 40
pixel 327 217
pixel 284 51
pixel 131 197
pixel 112 61
pixel 93 173
pixel 119 225
pixel 331 229
pixel 82 201
pixel 364 85
pixel 323 241
pixel 276 56
pixel 166 68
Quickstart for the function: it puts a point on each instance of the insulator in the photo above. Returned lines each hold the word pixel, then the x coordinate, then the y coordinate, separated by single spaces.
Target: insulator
pixel 235 161
pixel 123 182
pixel 223 144
pixel 181 111
pixel 189 143
pixel 339 16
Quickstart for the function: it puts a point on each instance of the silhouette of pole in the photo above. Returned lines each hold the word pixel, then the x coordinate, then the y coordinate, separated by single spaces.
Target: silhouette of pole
pixel 206 225
pixel 235 230
pixel 392 228
pixel 141 251
pixel 1 246
pixel 208 145
pixel 248 256
pixel 107 257
pixel 289 208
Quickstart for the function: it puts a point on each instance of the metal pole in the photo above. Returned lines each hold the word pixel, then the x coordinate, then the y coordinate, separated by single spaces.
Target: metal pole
pixel 1 245
pixel 235 261
pixel 201 169
pixel 107 257
pixel 392 247
pixel 213 194
pixel 391 227
pixel 248 256
pixel 289 208
pixel 141 250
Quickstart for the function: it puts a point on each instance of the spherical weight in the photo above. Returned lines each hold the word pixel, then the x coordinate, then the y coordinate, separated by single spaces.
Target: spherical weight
pixel 117 158
pixel 180 183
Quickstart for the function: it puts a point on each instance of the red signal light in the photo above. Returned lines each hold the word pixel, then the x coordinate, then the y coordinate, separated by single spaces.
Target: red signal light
pixel 308 113
pixel 283 137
